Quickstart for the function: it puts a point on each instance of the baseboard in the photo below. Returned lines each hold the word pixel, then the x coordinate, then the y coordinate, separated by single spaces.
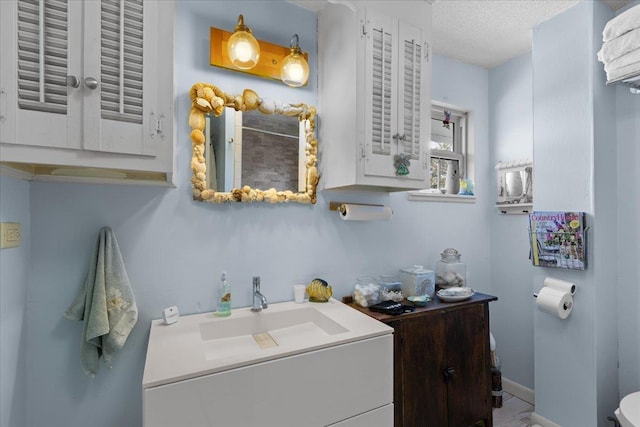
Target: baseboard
pixel 519 391
pixel 538 419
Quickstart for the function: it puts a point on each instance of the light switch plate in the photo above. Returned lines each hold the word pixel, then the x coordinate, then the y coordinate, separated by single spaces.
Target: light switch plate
pixel 10 234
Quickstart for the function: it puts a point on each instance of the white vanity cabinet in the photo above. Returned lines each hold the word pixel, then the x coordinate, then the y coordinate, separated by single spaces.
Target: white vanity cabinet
pixel 374 70
pixel 349 385
pixel 88 84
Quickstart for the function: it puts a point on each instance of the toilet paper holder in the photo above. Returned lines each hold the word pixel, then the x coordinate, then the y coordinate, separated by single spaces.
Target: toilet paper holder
pixel 566 305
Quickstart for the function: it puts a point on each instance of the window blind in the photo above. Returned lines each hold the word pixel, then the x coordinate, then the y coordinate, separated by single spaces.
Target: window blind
pixel 381 91
pixel 412 89
pixel 42 55
pixel 121 60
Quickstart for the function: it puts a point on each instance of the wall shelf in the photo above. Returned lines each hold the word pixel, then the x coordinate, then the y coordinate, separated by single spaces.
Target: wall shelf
pixel 515 208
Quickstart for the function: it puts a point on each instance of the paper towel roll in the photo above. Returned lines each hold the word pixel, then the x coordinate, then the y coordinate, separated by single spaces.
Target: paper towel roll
pixel 560 285
pixel 555 302
pixel 364 212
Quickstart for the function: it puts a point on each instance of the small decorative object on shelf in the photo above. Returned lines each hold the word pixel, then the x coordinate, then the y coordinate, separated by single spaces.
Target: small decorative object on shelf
pixel 466 187
pixel 319 291
pixel 515 186
pixel 558 239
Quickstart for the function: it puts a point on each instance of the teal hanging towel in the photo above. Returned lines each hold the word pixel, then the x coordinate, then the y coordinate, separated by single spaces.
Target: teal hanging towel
pixel 105 304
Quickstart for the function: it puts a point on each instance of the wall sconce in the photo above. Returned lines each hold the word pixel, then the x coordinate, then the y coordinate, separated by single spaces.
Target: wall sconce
pixel 295 69
pixel 269 61
pixel 242 47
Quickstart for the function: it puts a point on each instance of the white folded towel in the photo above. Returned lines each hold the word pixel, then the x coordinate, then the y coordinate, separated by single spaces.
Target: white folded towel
pixel 626 21
pixel 627 70
pixel 624 60
pixel 619 46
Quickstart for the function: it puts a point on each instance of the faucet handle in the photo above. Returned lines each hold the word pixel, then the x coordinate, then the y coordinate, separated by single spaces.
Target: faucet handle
pixel 256 283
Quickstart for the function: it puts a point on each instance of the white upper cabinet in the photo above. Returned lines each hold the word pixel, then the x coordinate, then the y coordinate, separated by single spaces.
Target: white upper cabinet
pixel 375 95
pixel 88 84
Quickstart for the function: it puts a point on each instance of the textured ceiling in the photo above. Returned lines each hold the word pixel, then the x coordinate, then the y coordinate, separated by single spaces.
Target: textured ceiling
pixel 486 32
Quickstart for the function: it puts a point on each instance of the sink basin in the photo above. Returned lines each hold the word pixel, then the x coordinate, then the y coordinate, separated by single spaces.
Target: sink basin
pixel 265 330
pixel 202 344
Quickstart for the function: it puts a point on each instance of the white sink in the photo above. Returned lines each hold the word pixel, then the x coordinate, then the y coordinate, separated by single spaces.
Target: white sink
pixel 201 344
pixel 265 330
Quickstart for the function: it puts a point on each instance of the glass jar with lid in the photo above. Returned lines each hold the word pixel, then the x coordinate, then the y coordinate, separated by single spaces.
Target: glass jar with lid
pixel 450 271
pixel 366 292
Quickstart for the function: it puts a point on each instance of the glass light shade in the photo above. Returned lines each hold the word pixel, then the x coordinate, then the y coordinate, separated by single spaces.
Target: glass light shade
pixel 242 47
pixel 295 70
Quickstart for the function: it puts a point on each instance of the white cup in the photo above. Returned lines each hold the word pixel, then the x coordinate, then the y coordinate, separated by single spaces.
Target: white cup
pixel 298 293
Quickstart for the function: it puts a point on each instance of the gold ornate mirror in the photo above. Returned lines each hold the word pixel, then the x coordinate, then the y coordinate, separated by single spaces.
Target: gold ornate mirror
pixel 208 105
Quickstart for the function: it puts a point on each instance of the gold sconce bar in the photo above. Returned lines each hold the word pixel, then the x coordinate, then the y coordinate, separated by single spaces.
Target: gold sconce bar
pixel 269 64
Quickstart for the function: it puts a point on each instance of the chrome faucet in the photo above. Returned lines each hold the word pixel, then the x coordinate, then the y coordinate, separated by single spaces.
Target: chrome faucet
pixel 259 300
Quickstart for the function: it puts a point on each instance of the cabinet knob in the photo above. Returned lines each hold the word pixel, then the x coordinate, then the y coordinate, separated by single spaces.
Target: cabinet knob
pixel 91 83
pixel 449 373
pixel 73 81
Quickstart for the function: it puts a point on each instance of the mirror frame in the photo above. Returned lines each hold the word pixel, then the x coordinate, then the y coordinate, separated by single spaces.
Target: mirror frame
pixel 209 99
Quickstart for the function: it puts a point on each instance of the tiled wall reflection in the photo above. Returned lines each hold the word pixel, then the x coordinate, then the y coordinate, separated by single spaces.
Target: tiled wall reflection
pixel 270 155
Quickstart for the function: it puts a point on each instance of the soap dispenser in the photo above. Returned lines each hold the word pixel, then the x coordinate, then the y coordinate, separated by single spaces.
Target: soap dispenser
pixel 224 298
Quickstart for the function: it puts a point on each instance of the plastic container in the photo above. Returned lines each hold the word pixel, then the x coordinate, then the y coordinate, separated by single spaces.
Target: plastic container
pixel 366 292
pixel 224 298
pixel 450 271
pixel 390 288
pixel 417 281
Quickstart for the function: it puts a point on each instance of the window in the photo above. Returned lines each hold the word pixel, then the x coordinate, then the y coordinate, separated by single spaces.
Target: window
pixel 447 147
pixel 451 152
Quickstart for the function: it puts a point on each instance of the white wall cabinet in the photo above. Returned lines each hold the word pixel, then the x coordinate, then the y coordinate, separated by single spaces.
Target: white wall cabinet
pixel 88 84
pixel 374 95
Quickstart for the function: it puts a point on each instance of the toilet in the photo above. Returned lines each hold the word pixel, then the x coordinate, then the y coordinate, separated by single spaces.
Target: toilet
pixel 628 413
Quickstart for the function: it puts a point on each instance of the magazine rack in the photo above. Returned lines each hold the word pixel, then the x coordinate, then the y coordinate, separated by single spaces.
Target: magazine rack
pixel 558 239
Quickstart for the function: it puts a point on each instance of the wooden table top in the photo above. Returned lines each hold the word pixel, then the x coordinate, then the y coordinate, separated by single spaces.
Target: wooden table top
pixel 433 305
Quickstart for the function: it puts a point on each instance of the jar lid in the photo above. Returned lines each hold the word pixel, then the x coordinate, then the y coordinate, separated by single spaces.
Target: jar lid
pixel 416 269
pixel 450 255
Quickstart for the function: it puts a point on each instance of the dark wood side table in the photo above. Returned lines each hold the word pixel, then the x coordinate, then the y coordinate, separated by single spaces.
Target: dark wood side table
pixel 442 363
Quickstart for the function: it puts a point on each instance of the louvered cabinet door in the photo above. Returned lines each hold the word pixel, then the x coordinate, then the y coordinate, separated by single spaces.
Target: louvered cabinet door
pixel 413 105
pixel 381 90
pixel 120 77
pixel 41 64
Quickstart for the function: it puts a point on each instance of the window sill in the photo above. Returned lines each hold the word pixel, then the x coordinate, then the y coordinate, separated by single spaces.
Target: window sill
pixel 427 196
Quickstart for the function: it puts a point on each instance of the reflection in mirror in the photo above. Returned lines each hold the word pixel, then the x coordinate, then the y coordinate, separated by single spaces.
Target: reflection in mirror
pixel 247 150
pixel 254 149
pixel 515 182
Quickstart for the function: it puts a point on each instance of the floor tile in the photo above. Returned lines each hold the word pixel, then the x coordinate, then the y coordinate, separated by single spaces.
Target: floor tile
pixel 514 412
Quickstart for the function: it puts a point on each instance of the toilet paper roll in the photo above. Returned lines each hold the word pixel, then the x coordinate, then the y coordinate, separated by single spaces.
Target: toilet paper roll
pixel 560 285
pixel 555 302
pixel 364 212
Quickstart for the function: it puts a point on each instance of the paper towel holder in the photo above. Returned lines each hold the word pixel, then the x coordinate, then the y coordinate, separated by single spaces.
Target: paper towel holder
pixel 339 206
pixel 361 212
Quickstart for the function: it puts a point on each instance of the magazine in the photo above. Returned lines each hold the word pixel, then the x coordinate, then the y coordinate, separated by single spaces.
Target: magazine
pixel 558 239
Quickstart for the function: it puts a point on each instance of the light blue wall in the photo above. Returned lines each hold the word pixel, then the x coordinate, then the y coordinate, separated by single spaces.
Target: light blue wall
pixel 511 136
pixel 175 248
pixel 14 207
pixel 574 163
pixel 628 202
